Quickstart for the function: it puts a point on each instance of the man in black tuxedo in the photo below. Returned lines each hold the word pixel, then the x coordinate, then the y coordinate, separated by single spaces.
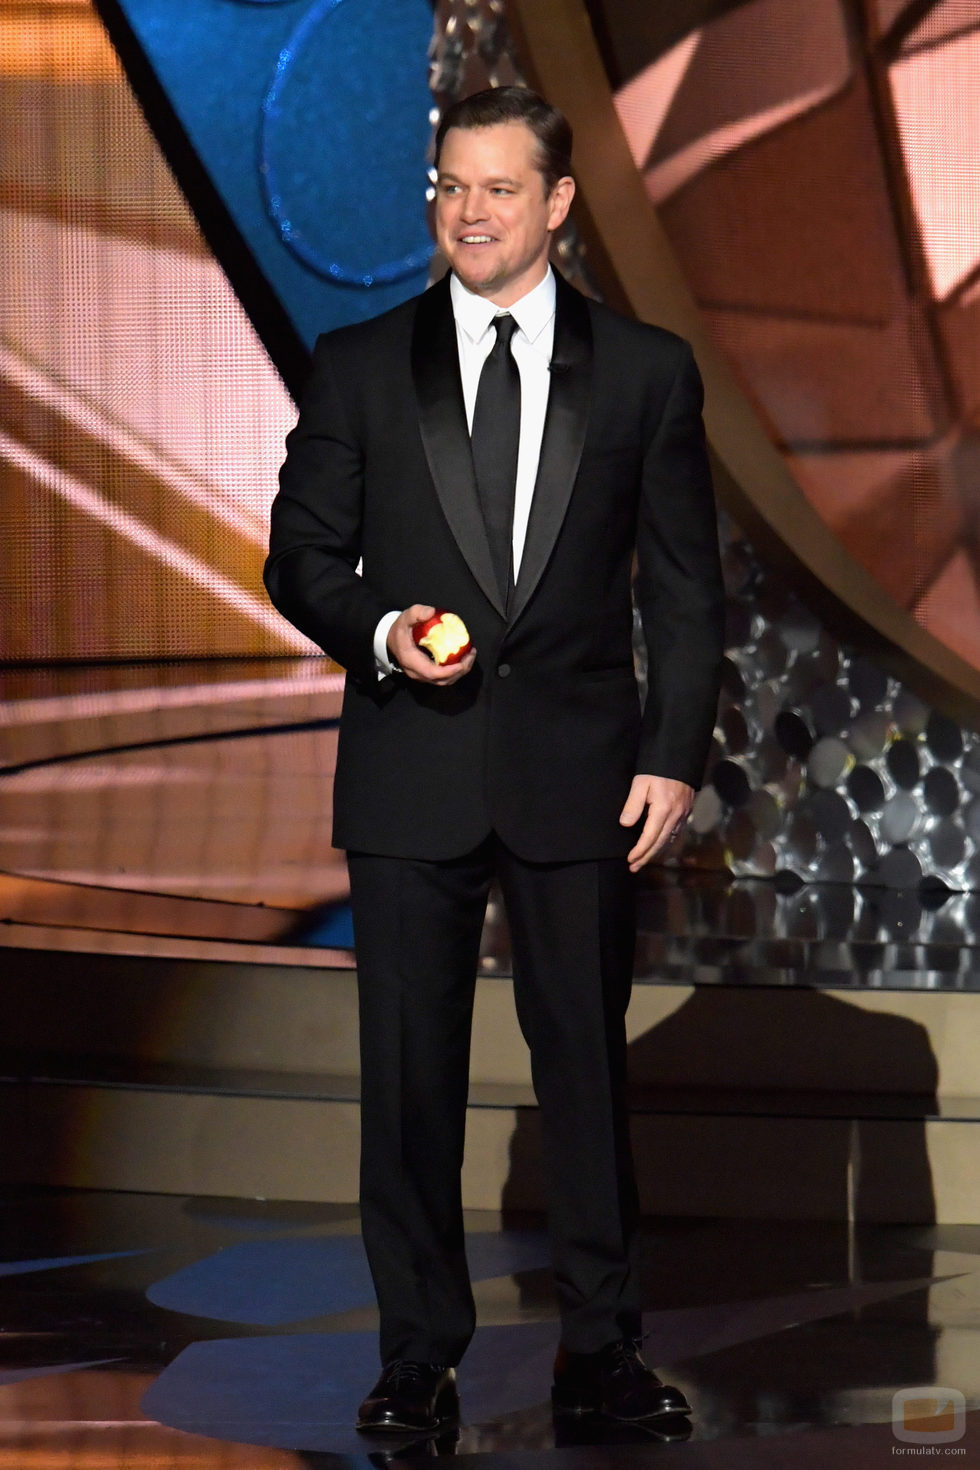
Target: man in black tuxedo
pixel 502 447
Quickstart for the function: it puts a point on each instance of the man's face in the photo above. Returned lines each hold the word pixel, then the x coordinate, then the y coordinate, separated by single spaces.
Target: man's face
pixel 494 221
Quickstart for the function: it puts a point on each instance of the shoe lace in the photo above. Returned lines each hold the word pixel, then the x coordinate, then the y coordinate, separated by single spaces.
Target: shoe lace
pixel 403 1372
pixel 624 1357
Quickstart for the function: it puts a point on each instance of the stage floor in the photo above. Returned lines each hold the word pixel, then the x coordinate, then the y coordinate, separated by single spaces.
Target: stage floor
pixel 156 1331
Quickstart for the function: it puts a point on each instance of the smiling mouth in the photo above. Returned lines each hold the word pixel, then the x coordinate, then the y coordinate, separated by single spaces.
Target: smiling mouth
pixel 476 239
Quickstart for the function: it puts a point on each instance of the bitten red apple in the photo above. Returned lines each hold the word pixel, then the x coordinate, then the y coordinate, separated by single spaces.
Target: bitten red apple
pixel 444 637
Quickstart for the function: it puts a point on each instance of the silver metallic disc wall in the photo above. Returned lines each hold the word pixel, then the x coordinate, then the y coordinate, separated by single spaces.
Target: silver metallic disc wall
pixel 822 766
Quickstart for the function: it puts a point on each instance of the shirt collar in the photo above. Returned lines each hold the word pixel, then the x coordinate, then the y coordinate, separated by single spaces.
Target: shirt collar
pixel 532 312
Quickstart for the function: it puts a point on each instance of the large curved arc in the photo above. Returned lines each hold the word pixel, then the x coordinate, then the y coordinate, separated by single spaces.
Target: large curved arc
pixel 637 271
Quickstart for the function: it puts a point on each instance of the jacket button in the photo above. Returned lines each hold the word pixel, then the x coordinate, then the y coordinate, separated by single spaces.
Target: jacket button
pixel 503 670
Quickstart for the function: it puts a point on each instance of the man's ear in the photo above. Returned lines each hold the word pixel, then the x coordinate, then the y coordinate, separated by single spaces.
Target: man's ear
pixel 560 202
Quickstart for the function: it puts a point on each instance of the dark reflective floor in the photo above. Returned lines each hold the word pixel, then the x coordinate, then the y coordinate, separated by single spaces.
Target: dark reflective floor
pixel 156 1331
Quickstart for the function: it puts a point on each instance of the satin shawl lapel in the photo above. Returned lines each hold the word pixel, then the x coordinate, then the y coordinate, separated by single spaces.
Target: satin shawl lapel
pixel 445 436
pixel 564 435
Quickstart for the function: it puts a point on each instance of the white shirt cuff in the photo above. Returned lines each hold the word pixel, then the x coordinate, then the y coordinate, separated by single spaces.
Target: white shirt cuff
pixel 381 655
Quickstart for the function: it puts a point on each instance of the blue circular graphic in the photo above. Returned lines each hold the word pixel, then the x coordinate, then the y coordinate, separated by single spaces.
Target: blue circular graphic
pixel 343 122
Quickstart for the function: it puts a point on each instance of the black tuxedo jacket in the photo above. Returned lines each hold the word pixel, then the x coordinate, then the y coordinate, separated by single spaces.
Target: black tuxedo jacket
pixel 541 740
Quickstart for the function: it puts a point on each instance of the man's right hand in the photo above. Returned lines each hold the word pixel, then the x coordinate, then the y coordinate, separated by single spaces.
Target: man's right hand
pixel 414 661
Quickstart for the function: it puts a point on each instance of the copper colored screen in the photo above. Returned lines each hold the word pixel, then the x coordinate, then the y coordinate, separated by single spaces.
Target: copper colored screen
pixel 817 169
pixel 141 421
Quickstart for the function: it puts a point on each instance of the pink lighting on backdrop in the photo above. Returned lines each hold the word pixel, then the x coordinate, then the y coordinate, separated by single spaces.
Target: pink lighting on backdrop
pixel 937 103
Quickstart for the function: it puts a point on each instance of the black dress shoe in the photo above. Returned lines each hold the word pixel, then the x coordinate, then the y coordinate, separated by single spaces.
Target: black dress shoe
pixel 414 1396
pixel 614 1382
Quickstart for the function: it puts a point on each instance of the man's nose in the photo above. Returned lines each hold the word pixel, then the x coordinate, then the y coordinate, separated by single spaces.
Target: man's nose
pixel 474 206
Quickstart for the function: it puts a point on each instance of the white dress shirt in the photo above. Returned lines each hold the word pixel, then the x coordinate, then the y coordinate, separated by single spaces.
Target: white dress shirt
pixel 531 346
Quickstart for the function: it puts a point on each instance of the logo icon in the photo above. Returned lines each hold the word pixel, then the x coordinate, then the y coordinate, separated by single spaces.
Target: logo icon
pixel 928 1415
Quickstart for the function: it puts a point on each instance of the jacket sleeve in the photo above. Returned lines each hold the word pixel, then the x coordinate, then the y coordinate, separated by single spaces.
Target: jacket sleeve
pixel 315 540
pixel 679 587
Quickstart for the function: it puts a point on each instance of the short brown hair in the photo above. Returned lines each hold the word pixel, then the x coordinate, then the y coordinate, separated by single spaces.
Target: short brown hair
pixel 496 105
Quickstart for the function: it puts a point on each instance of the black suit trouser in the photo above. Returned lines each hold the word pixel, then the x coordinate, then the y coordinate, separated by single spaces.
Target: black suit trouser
pixel 417 928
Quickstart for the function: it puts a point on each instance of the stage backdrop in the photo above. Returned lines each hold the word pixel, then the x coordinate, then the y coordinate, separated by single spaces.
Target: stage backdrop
pixel 169 253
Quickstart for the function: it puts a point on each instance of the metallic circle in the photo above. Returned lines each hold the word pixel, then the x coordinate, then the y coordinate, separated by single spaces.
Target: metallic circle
pixel 899 868
pixel 830 707
pixel 740 835
pixel 947 844
pixel 770 654
pixel 865 788
pixel 869 734
pixel 771 759
pixel 827 761
pixel 902 760
pixel 766 813
pixel 899 818
pixel 830 813
pixel 707 810
pixel 971 819
pixel 933 893
pixel 910 713
pixel 943 737
pixel 732 683
pixel 867 683
pixel 768 703
pixel 941 792
pixel 709 853
pixel 731 783
pixel 735 730
pixel 799 629
pixel 836 865
pixel 970 770
pixel 763 859
pixel 793 733
pixel 383 272
pixel 799 682
pixel 862 844
pixel 801 840
pixel 827 661
pixel 790 786
pixel 716 752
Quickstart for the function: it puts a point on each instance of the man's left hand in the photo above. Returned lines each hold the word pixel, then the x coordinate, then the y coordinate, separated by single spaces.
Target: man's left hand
pixel 668 804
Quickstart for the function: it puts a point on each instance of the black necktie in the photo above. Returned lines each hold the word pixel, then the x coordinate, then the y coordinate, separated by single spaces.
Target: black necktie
pixel 495 438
